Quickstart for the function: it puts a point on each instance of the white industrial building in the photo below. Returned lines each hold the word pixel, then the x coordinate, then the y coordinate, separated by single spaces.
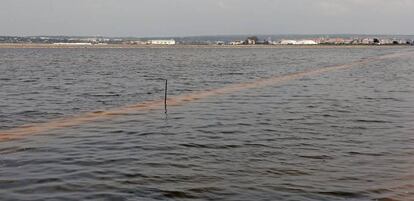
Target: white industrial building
pixel 306 42
pixel 300 42
pixel 161 42
pixel 239 42
pixel 288 42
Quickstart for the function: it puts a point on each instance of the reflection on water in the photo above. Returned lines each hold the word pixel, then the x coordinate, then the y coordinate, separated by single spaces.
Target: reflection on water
pixel 338 135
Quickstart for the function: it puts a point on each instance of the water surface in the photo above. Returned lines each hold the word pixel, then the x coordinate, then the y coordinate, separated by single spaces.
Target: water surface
pixel 341 135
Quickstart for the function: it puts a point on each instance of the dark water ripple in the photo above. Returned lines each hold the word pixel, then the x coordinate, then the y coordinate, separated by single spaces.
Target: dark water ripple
pixel 344 135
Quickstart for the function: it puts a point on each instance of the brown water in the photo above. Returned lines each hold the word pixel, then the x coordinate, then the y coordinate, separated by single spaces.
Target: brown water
pixel 242 124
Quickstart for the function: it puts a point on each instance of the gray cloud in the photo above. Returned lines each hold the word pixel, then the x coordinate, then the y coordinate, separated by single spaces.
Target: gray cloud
pixel 204 17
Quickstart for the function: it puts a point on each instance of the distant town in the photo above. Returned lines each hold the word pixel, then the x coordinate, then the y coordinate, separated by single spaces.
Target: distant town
pixel 216 40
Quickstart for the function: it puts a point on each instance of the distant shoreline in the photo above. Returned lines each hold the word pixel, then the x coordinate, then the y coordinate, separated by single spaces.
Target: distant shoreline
pixel 127 46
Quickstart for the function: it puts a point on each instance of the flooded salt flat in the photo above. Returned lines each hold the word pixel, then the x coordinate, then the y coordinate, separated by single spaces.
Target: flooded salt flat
pixel 339 135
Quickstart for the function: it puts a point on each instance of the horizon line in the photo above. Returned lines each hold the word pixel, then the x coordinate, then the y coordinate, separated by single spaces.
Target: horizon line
pixel 213 35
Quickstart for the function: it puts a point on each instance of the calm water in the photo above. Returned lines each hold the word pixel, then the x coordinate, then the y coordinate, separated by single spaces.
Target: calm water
pixel 341 135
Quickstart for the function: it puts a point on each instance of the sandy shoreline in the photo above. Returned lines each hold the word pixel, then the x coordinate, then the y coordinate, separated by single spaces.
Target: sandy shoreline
pixel 121 46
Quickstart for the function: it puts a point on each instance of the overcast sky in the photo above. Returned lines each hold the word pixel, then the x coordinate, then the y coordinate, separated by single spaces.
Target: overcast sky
pixel 204 17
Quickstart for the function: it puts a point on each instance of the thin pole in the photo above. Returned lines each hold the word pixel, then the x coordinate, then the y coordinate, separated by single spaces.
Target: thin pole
pixel 165 95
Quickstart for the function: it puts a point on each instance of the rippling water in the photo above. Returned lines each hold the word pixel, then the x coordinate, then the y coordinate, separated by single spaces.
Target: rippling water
pixel 340 135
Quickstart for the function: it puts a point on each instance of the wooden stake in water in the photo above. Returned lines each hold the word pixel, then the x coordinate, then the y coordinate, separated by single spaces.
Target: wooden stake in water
pixel 165 95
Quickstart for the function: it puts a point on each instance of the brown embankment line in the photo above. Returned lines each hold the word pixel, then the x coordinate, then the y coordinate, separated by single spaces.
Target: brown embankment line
pixel 121 46
pixel 37 128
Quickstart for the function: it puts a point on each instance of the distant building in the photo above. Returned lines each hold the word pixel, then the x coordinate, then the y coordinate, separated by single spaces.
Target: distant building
pixel 367 41
pixel 239 42
pixel 162 42
pixel 306 42
pixel 288 42
pixel 72 43
pixel 336 41
pixel 137 42
pixel 385 41
pixel 250 42
pixel 220 43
